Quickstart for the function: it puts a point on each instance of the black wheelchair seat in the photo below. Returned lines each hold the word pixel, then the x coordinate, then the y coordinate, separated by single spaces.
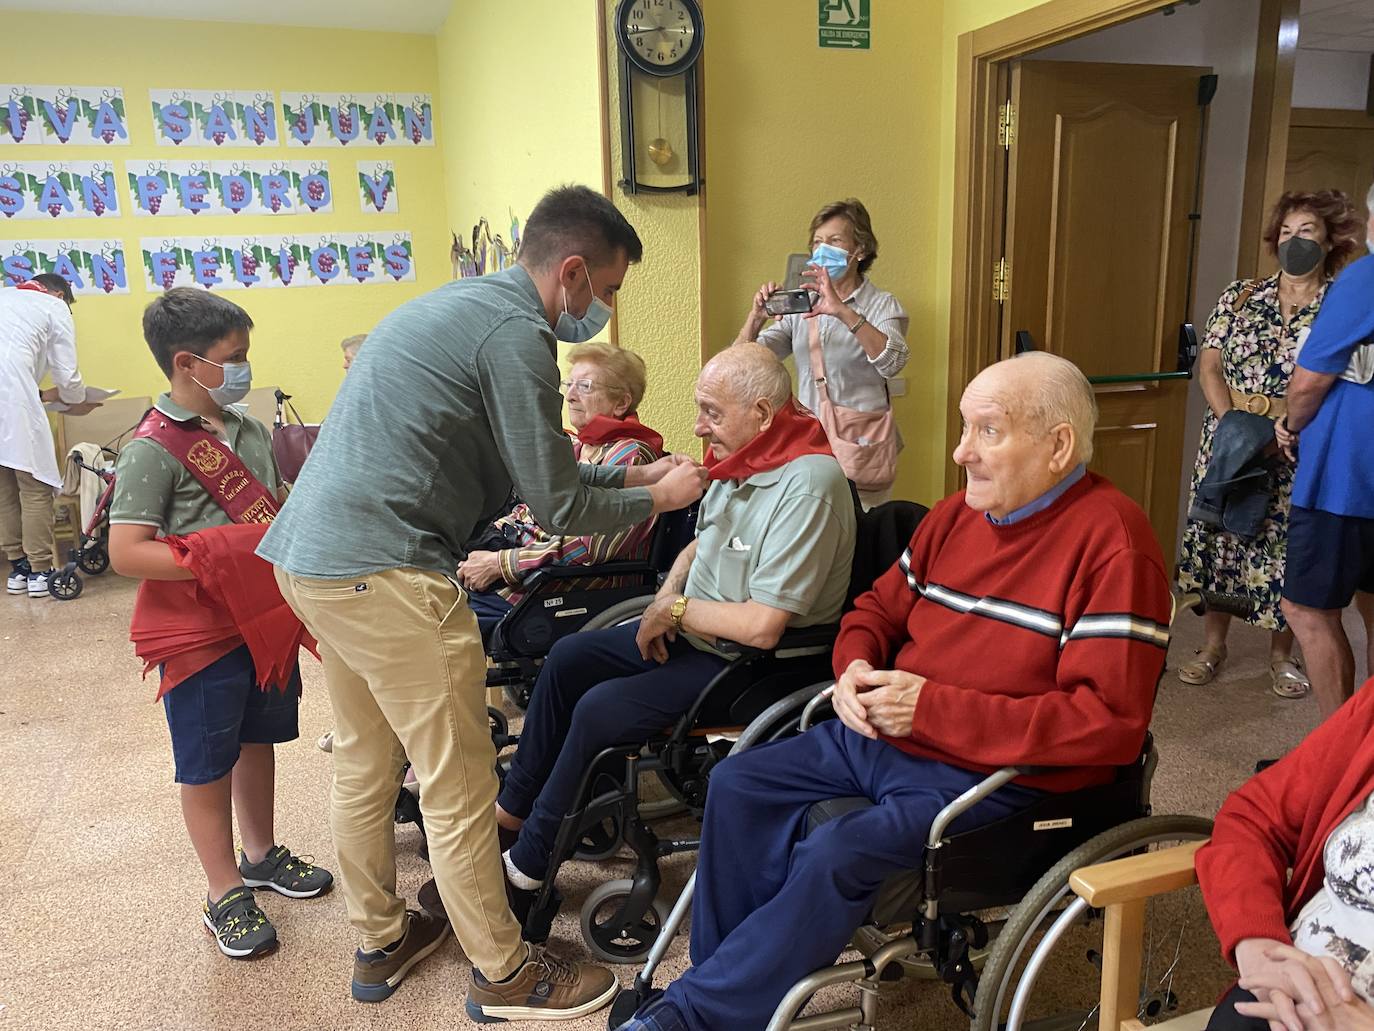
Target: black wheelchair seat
pixel 998 863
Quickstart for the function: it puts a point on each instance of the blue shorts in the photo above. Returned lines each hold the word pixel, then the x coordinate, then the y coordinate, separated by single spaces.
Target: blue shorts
pixel 1330 557
pixel 214 711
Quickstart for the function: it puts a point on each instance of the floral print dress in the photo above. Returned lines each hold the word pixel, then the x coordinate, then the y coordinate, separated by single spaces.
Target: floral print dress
pixel 1258 353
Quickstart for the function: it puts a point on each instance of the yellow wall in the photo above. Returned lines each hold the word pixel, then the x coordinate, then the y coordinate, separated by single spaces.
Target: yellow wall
pixel 790 127
pixel 296 343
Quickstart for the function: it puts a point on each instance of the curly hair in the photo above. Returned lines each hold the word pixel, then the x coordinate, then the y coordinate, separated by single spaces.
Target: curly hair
pixel 1334 209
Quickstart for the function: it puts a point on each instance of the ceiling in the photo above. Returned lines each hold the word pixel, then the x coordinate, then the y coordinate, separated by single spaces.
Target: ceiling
pixel 1335 25
pixel 393 16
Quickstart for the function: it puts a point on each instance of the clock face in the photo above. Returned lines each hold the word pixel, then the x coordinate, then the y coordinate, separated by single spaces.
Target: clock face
pixel 661 37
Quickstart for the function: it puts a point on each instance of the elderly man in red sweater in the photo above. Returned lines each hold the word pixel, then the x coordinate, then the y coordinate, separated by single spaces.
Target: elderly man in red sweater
pixel 1026 624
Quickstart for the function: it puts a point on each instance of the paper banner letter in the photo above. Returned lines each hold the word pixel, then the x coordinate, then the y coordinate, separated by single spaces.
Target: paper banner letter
pixel 276 191
pixel 286 265
pixel 419 124
pixel 205 267
pixel 261 125
pixel 324 263
pixel 54 197
pixel 61 118
pixel 379 186
pixel 11 196
pixel 303 128
pixel 19 120
pixel 151 190
pixel 315 191
pixel 99 197
pixel 63 265
pixel 237 191
pixel 164 267
pixel 379 126
pixel 108 124
pixel 344 122
pixel 18 269
pixel 176 122
pixel 109 275
pixel 360 263
pixel 193 189
pixel 219 126
pixel 245 267
pixel 397 261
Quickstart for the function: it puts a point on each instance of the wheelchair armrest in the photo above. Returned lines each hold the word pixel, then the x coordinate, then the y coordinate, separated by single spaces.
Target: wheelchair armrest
pixel 545 576
pixel 968 800
pixel 1135 878
pixel 798 641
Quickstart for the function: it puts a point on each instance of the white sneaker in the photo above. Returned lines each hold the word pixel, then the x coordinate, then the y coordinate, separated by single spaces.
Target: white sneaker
pixel 18 581
pixel 38 585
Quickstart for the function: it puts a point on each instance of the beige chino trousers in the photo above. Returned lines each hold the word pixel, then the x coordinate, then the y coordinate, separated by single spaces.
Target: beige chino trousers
pixel 406 673
pixel 26 519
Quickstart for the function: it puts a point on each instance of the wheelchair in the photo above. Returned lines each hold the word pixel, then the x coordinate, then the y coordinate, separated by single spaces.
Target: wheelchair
pixel 622 919
pixel 966 916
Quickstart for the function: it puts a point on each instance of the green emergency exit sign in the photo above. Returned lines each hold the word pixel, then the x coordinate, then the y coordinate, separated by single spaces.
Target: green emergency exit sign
pixel 845 24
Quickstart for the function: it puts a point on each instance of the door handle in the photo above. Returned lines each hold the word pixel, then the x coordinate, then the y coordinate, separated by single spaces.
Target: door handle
pixel 1187 355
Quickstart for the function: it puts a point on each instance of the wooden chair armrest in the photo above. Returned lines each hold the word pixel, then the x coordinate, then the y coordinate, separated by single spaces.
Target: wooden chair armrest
pixel 1137 877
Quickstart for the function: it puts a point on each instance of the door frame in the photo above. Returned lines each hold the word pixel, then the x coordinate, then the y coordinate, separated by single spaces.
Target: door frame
pixel 982 55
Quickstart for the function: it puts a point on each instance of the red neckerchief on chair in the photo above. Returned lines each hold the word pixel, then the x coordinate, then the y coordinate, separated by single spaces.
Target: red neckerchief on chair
pixel 794 432
pixel 601 429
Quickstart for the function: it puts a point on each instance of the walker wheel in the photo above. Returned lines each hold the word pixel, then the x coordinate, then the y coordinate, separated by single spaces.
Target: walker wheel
pixel 93 560
pixel 64 585
pixel 610 937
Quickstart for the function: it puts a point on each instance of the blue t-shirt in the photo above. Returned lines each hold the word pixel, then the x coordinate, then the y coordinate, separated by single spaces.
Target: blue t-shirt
pixel 1335 459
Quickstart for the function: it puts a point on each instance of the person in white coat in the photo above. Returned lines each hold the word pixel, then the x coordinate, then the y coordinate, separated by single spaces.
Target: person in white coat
pixel 37 338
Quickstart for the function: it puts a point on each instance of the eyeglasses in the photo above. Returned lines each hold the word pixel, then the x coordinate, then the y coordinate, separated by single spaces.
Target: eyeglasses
pixel 580 386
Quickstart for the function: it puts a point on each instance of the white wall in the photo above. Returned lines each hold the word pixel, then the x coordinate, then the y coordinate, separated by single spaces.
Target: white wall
pixel 1331 78
pixel 1219 34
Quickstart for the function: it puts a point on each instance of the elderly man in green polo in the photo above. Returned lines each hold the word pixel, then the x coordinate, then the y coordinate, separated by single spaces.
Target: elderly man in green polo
pixel 453 401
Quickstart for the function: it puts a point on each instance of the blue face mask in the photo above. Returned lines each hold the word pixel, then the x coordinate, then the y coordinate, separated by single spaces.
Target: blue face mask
pixel 831 258
pixel 238 380
pixel 573 330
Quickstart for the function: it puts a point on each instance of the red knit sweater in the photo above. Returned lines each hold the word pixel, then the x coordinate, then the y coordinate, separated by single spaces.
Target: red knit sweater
pixel 1042 642
pixel 1279 821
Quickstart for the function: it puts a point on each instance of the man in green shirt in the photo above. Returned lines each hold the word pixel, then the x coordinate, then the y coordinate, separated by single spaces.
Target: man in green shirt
pixel 454 400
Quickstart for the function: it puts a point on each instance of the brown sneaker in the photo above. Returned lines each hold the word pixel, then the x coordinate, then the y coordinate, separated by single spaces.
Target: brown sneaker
pixel 376 974
pixel 546 987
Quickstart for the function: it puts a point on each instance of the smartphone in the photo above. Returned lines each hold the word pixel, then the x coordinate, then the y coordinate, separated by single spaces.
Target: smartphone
pixel 788 302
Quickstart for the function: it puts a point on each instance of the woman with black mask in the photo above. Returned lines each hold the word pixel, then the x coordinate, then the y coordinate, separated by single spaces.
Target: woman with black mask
pixel 1247 360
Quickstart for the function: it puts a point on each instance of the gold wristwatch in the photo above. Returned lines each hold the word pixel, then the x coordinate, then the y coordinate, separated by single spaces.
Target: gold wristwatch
pixel 677 610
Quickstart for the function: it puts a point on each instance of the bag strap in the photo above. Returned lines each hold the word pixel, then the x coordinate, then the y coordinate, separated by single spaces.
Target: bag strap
pixel 817 359
pixel 1245 294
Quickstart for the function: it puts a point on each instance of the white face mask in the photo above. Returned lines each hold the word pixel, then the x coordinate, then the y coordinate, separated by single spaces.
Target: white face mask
pixel 572 330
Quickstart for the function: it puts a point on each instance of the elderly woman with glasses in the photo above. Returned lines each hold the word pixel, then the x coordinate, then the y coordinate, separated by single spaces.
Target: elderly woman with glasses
pixel 604 387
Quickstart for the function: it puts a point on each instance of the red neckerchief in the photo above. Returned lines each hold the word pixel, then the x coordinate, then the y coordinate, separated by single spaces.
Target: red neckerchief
pixel 794 432
pixel 601 429
pixel 29 284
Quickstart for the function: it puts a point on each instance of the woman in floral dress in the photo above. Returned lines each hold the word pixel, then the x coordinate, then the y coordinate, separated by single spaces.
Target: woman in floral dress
pixel 1247 360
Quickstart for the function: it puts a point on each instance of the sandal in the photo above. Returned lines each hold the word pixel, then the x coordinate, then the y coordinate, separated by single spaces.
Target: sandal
pixel 1289 679
pixel 1202 669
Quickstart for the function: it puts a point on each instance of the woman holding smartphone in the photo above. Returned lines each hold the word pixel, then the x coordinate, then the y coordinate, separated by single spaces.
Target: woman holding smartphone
pixel 846 347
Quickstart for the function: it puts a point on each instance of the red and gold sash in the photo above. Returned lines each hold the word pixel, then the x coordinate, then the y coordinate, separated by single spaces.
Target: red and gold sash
pixel 216 468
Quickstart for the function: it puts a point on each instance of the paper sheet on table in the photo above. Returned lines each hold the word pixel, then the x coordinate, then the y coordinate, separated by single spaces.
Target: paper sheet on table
pixel 92 394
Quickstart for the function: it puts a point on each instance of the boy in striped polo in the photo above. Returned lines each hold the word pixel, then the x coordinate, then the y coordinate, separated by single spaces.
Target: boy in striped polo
pixel 1026 624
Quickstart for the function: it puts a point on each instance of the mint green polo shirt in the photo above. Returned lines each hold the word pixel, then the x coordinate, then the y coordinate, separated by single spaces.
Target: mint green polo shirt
pixel 783 538
pixel 154 489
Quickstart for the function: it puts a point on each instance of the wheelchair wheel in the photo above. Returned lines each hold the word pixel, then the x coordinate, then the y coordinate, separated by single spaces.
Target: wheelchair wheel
pixel 613 942
pixel 496 720
pixel 64 584
pixel 518 694
pixel 1057 977
pixel 94 560
pixel 600 842
pixel 618 614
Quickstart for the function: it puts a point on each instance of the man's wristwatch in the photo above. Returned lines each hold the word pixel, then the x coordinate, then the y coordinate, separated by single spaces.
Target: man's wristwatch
pixel 677 610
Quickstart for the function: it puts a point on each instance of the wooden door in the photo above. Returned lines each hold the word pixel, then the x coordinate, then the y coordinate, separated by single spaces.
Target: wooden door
pixel 1331 150
pixel 1102 169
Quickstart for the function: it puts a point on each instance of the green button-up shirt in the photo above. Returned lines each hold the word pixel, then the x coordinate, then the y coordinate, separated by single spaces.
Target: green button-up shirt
pixel 154 489
pixel 454 399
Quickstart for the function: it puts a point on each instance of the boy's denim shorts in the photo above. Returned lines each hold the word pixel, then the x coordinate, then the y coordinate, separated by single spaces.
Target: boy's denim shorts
pixel 213 712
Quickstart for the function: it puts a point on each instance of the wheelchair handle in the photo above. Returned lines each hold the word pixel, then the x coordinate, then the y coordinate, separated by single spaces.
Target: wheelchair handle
pixel 967 801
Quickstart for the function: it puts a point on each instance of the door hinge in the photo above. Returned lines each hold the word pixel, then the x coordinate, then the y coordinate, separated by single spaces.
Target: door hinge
pixel 1006 125
pixel 1001 277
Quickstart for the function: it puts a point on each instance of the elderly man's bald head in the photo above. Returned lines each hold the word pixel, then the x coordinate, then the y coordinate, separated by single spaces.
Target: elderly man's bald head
pixel 1040 391
pixel 738 393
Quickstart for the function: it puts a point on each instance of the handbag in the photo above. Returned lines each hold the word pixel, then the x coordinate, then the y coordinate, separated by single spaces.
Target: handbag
pixel 865 443
pixel 291 443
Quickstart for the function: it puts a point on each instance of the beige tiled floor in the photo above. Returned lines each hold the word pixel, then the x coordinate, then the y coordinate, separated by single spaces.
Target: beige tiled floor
pixel 99 921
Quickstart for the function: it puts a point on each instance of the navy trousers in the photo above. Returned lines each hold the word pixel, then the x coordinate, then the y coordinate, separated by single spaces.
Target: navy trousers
pixel 593 691
pixel 489 608
pixel 772 904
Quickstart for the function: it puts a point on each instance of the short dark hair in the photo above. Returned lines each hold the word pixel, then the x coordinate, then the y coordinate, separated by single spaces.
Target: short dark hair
pixel 55 284
pixel 577 220
pixel 852 210
pixel 187 318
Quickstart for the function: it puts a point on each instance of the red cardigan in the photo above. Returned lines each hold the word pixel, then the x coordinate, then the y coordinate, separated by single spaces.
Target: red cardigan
pixel 1042 642
pixel 1279 821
